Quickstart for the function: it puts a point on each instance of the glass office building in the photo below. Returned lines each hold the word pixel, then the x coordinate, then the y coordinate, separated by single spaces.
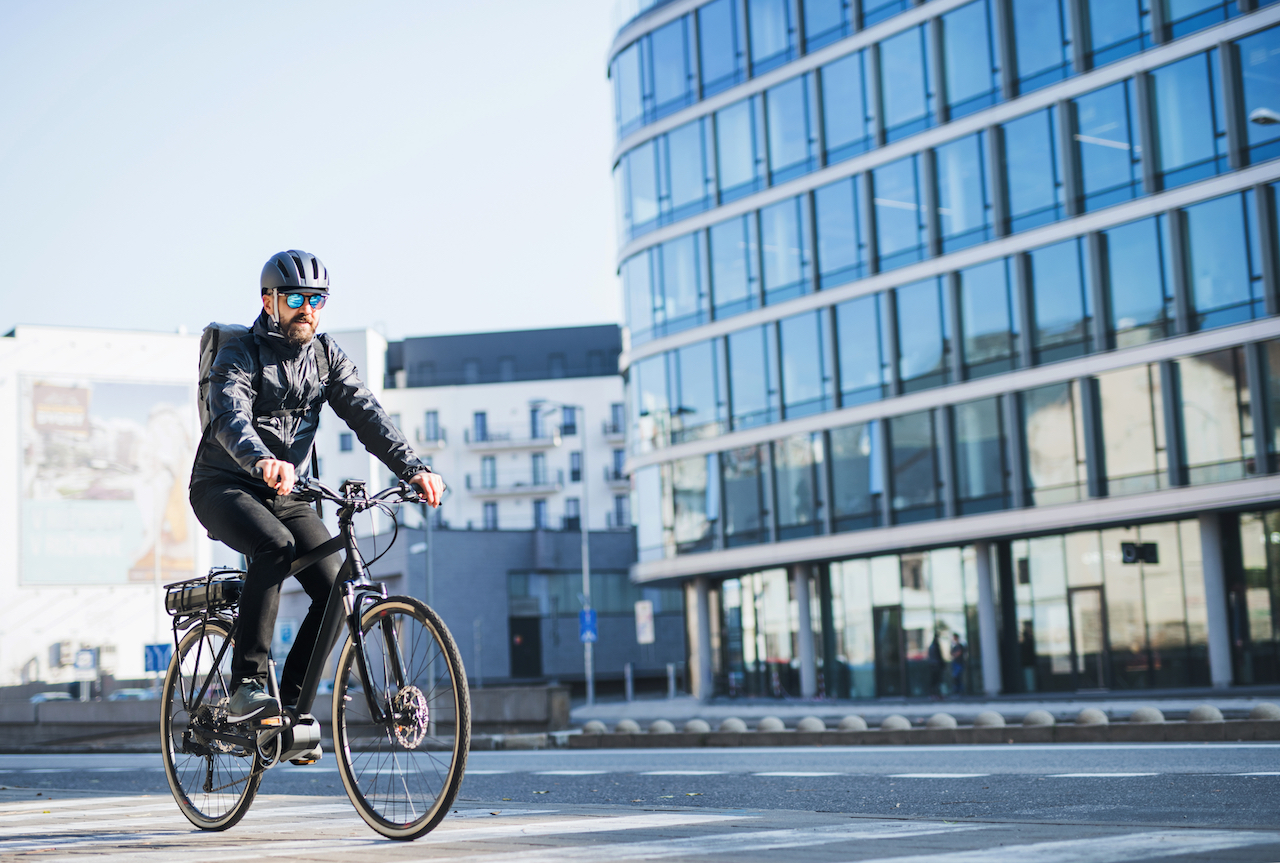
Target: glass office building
pixel 955 323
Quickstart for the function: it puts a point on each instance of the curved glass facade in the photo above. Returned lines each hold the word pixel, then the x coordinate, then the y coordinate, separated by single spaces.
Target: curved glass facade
pixel 924 261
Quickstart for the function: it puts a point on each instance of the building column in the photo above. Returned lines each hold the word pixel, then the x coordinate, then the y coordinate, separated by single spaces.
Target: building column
pixel 988 625
pixel 1215 600
pixel 703 685
pixel 804 636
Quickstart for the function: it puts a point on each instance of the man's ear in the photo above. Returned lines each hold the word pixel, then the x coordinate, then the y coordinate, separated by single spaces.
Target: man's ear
pixel 266 303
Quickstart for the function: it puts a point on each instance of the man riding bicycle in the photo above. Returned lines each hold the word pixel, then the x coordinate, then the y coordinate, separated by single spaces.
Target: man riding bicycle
pixel 265 396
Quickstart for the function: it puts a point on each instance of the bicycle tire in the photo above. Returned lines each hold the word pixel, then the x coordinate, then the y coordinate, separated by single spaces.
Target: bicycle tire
pixel 213 781
pixel 402 776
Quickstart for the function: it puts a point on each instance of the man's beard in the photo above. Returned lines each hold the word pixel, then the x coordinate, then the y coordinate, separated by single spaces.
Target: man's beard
pixel 298 334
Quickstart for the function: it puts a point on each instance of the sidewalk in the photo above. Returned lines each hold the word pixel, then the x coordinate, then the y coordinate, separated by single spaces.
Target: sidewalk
pixel 1234 704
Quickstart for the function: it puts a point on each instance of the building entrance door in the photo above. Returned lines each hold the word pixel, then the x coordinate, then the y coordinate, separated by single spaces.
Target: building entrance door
pixel 1090 659
pixel 526 646
pixel 890 667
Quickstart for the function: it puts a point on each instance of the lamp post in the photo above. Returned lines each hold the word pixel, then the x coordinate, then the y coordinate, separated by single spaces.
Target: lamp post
pixel 588 648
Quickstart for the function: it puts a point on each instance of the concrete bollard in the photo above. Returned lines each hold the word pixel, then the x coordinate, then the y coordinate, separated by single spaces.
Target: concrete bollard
pixel 1091 716
pixel 941 720
pixel 595 726
pixel 895 722
pixel 1038 718
pixel 696 726
pixel 661 726
pixel 770 723
pixel 810 724
pixel 988 719
pixel 853 723
pixel 1147 715
pixel 733 725
pixel 1265 711
pixel 628 682
pixel 627 726
pixel 1204 713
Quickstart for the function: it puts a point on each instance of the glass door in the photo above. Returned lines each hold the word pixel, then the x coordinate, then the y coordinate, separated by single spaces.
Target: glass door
pixel 890 668
pixel 1089 649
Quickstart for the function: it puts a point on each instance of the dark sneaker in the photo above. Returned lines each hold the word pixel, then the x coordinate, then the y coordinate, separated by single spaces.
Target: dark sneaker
pixel 252 703
pixel 311 756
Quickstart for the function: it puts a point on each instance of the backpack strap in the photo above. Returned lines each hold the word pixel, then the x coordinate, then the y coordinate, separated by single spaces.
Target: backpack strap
pixel 322 361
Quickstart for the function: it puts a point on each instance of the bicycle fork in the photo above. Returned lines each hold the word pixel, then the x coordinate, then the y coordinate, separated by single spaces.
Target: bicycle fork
pixel 398 672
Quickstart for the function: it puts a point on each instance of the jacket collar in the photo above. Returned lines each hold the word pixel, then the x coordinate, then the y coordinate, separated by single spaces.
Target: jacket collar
pixel 267 333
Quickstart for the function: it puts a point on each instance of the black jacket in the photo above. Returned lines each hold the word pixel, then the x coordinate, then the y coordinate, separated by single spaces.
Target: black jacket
pixel 264 402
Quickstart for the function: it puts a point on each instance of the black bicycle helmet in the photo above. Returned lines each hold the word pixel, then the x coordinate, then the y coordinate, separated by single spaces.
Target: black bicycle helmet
pixel 295 271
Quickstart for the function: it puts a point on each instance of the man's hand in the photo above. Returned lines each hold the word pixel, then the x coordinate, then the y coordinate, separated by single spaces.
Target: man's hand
pixel 430 486
pixel 280 475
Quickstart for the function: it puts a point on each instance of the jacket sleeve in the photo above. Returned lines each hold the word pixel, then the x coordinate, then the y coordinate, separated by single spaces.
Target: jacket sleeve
pixel 356 405
pixel 231 406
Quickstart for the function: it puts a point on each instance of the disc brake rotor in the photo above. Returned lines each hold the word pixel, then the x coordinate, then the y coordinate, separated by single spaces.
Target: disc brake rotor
pixel 410 717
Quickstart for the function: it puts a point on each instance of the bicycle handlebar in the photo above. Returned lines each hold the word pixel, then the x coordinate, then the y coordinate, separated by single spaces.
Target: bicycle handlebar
pixel 308 488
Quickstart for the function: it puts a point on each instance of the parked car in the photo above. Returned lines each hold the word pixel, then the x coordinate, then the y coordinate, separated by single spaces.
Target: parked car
pixel 41 697
pixel 133 695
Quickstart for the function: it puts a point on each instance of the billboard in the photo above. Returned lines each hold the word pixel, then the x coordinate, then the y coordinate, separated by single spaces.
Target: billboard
pixel 105 467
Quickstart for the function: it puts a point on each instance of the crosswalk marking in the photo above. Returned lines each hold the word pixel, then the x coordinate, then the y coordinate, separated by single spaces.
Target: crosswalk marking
pixel 1114 849
pixel 937 775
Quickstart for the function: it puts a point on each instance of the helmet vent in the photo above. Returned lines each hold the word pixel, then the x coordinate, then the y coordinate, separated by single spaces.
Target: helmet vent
pixel 283 271
pixel 302 271
pixel 315 268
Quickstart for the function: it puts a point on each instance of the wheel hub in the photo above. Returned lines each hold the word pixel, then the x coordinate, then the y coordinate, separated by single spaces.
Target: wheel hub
pixel 410 717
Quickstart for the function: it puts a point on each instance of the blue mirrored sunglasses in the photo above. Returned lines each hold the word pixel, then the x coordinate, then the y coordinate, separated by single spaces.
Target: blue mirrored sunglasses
pixel 295 301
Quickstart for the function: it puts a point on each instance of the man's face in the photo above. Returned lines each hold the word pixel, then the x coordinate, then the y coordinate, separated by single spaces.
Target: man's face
pixel 298 326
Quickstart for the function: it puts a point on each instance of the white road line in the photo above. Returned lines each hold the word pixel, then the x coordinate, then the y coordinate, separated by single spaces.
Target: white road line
pixel 937 775
pixel 799 773
pixel 683 773
pixel 471 772
pixel 570 772
pixel 1251 774
pixel 69 829
pixel 1113 849
pixel 1097 775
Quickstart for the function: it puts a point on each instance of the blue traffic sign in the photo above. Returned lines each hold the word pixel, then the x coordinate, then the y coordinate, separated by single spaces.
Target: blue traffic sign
pixel 157 656
pixel 587 625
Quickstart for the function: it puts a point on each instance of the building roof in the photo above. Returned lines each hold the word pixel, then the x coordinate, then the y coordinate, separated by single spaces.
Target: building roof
pixel 514 355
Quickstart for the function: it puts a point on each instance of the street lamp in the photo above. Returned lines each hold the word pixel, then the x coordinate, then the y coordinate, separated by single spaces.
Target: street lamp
pixel 588 647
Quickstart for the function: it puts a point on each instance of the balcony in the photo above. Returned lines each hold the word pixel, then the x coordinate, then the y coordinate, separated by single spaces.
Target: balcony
pixel 425 443
pixel 614 433
pixel 510 439
pixel 616 479
pixel 515 485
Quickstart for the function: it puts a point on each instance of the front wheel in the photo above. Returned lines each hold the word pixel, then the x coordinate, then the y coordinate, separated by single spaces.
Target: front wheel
pixel 402 771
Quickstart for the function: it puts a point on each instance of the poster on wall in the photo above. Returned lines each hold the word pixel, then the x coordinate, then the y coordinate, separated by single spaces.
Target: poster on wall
pixel 105 467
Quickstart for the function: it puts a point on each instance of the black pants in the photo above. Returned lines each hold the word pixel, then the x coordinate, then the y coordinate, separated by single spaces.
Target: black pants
pixel 271 531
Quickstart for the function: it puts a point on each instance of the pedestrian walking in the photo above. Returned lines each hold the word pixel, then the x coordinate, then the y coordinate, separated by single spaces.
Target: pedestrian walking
pixel 958 654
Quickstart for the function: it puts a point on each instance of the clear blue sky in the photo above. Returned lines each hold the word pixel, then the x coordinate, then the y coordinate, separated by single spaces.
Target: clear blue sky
pixel 448 161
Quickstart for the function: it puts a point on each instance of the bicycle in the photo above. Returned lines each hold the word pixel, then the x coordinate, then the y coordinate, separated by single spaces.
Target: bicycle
pixel 401 709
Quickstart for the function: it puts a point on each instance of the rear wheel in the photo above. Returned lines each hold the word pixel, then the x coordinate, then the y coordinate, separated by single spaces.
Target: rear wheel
pixel 403 772
pixel 214 780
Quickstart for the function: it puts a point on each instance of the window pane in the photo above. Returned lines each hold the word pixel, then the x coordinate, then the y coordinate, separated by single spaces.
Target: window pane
pixel 752 387
pixel 1044 42
pixel 806 382
pixel 627 90
pixel 1118 28
pixel 904 77
pixel 1260 70
pixel 638 288
pixel 848 126
pixel 1187 16
pixel 1053 431
pixel 1216 423
pixel 652 412
pixel 649 513
pixel 743 497
pixel 864 368
pixel 841 242
pixel 875 11
pixel 684 302
pixel 1141 304
pixel 900 228
pixel 1272 361
pixel 792 149
pixel 1034 182
pixel 970 66
pixel 922 335
pixel 857 480
pixel 769 23
pixel 1107 144
pixel 914 461
pixel 1186 122
pixel 691 187
pixel 699 411
pixel 989 319
pixel 693 490
pixel 784 241
pixel 735 277
pixel 825 21
pixel 1060 301
pixel 1218 263
pixel 796 460
pixel 672 71
pixel 964 204
pixel 1132 430
pixel 642 184
pixel 721 42
pixel 737 163
pixel 981 480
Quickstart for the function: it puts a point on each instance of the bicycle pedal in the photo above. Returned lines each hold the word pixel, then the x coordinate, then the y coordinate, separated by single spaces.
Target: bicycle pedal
pixel 269 721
